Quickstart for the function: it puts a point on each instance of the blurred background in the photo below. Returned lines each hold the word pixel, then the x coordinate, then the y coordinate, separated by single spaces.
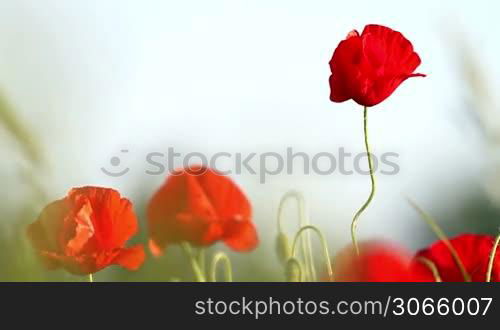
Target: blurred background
pixel 81 80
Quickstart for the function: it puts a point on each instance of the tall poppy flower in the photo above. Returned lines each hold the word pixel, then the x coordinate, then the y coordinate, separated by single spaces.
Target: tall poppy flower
pixel 200 206
pixel 376 262
pixel 473 252
pixel 368 67
pixel 86 231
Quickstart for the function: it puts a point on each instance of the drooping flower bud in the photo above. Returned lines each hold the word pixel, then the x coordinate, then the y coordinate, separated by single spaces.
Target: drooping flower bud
pixel 293 270
pixel 283 248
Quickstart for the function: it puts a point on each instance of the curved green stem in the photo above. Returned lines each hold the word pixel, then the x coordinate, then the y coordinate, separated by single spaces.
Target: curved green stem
pixel 200 277
pixel 218 257
pixel 441 235
pixel 492 259
pixel 432 267
pixel 326 254
pixel 354 223
pixel 310 271
pixel 201 259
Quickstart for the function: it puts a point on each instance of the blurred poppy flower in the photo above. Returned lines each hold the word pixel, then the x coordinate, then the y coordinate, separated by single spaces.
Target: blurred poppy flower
pixel 369 67
pixel 200 206
pixel 472 250
pixel 377 262
pixel 86 231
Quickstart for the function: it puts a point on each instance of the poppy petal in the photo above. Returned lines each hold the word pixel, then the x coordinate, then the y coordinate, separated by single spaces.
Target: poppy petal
pixel 130 258
pixel 242 236
pixel 369 67
pixel 198 205
pixel 377 262
pixel 83 232
pixel 342 65
pixel 86 231
pixel 474 254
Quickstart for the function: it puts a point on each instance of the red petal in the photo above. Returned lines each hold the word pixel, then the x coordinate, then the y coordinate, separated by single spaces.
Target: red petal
pixel 155 249
pixel 130 258
pixel 200 203
pixel 194 205
pixel 420 272
pixel 368 68
pixel 45 232
pixel 86 231
pixel 83 232
pixel 112 216
pixel 378 262
pixel 472 250
pixel 212 233
pixel 224 195
pixel 241 236
pixel 343 66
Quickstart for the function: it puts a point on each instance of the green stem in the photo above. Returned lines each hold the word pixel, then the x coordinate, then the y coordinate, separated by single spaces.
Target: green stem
pixel 310 271
pixel 441 235
pixel 372 178
pixel 91 278
pixel 200 277
pixel 432 267
pixel 326 254
pixel 201 260
pixel 220 256
pixel 492 259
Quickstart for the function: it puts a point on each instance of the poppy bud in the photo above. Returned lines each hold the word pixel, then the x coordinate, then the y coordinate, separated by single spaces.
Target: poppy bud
pixel 293 270
pixel 283 248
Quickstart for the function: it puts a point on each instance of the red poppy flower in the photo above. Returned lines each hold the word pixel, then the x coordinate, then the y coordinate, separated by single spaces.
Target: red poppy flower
pixel 377 262
pixel 369 67
pixel 86 231
pixel 200 206
pixel 472 250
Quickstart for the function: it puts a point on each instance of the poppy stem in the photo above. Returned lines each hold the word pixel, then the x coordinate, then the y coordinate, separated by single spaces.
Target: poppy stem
pixel 310 271
pixel 221 257
pixel 432 267
pixel 91 278
pixel 492 259
pixel 326 254
pixel 354 223
pixel 200 277
pixel 201 260
pixel 441 235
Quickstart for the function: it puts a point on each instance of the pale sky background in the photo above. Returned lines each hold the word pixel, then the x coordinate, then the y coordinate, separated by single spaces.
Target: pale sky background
pixel 92 77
